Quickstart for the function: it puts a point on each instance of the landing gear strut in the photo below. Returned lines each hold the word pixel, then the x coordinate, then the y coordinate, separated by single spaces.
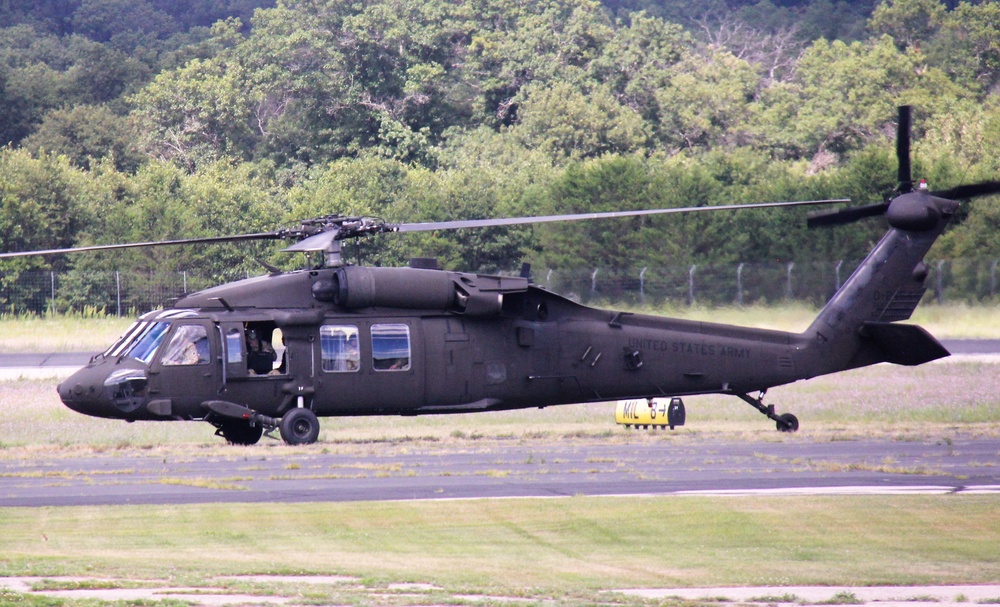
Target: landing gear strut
pixel 241 425
pixel 785 422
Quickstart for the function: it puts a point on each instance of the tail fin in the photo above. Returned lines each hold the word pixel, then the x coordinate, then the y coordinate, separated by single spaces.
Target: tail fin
pixel 854 329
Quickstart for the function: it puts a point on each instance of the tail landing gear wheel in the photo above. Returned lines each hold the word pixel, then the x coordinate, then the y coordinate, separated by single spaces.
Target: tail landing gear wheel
pixel 240 432
pixel 299 427
pixel 787 423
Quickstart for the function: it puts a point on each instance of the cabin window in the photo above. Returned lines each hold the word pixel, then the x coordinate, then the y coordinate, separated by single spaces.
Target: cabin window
pixel 339 344
pixel 234 346
pixel 188 346
pixel 391 347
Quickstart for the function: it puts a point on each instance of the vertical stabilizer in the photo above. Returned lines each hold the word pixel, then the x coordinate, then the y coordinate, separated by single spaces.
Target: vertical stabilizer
pixel 854 329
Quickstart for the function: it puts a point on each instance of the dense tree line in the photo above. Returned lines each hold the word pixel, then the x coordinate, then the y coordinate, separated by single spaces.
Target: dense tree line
pixel 131 120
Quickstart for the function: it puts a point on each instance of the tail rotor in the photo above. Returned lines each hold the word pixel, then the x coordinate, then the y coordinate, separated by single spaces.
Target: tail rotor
pixel 903 188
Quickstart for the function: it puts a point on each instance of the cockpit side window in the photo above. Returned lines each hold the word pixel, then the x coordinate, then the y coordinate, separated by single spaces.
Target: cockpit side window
pixel 188 346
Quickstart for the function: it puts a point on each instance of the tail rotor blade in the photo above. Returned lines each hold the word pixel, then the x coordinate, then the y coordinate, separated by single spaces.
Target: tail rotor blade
pixel 971 190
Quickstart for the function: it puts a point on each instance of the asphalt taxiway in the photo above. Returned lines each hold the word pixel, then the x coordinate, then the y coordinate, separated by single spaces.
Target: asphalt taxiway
pixel 503 469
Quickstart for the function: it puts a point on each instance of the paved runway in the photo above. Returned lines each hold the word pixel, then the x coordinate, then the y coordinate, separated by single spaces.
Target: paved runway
pixel 503 469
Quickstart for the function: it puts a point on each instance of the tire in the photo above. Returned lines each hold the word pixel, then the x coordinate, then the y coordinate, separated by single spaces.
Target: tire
pixel 299 427
pixel 787 423
pixel 240 433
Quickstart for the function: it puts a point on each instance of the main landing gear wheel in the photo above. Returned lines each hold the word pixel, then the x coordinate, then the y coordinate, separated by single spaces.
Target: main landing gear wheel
pixel 238 432
pixel 299 427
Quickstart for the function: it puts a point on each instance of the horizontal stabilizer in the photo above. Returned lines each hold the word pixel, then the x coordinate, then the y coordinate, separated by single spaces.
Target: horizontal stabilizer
pixel 904 344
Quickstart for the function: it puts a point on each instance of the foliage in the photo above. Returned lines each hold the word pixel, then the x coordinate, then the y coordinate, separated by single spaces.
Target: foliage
pixel 146 120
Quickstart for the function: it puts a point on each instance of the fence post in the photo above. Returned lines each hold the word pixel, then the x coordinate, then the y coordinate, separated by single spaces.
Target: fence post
pixel 939 282
pixel 118 292
pixel 739 285
pixel 52 303
pixel 642 285
pixel 593 281
pixel 788 287
pixel 836 271
pixel 691 285
pixel 993 278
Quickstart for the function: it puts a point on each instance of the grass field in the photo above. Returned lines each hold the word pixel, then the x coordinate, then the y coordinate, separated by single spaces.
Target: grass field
pixel 563 552
pixel 573 551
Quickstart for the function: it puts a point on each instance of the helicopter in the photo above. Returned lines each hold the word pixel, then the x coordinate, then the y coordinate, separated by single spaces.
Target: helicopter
pixel 416 340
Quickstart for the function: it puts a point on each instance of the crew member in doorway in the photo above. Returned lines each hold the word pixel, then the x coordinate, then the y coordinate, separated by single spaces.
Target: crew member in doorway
pixel 260 354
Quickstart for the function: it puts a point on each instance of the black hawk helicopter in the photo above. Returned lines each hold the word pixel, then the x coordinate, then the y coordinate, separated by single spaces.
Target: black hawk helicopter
pixel 420 340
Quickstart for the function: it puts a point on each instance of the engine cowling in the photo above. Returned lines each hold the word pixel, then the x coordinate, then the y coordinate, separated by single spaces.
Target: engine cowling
pixel 355 287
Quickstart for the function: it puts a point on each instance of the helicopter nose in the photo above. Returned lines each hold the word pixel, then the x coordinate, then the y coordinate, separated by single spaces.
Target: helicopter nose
pixel 84 392
pixel 81 395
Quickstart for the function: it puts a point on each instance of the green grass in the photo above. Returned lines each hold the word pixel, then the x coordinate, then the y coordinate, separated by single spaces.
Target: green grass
pixel 542 547
pixel 59 333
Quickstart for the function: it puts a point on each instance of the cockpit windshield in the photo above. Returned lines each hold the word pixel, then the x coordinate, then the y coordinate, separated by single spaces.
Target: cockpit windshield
pixel 127 338
pixel 148 341
pixel 140 341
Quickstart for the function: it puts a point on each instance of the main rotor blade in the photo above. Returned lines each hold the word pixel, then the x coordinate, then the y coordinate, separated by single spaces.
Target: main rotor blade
pixel 510 221
pixel 903 148
pixel 324 240
pixel 848 215
pixel 156 243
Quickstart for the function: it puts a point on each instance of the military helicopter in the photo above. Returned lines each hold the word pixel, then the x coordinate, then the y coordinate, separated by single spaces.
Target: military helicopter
pixel 421 340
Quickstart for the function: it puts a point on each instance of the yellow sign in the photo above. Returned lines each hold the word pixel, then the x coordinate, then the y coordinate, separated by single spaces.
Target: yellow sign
pixel 656 412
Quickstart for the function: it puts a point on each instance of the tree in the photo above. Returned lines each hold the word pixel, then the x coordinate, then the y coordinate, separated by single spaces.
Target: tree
pixel 566 123
pixel 707 101
pixel 40 201
pixel 125 24
pixel 966 45
pixel 841 97
pixel 335 79
pixel 85 134
pixel 909 22
pixel 199 113
pixel 534 42
pixel 41 207
pixel 638 61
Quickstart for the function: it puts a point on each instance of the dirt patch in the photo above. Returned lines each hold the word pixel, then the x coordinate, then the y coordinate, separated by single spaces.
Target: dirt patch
pixel 883 596
pixel 400 594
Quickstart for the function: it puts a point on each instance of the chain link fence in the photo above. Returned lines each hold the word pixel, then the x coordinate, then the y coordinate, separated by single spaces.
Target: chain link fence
pixel 121 293
pixel 949 281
